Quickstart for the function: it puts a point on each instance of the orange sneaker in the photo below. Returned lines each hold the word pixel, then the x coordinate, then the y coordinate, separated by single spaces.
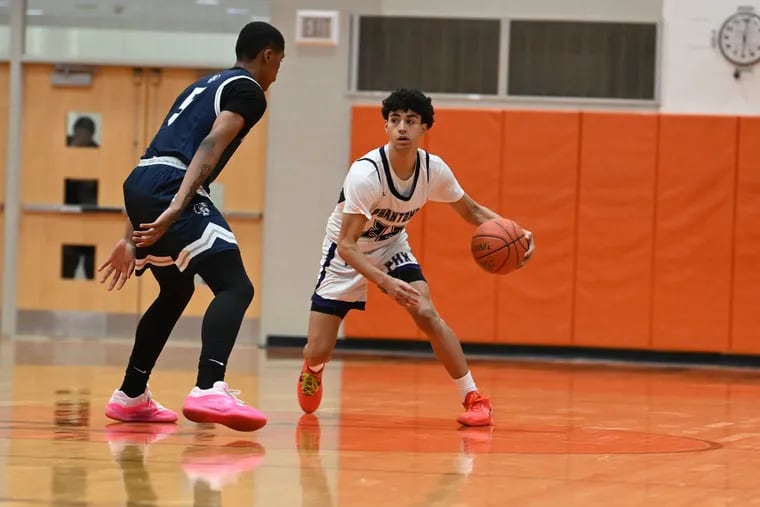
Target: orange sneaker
pixel 478 410
pixel 310 389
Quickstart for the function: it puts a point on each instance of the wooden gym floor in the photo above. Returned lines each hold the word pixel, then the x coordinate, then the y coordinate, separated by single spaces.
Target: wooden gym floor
pixel 575 434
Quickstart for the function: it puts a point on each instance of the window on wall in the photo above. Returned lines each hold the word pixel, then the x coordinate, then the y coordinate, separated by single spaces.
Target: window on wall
pixel 436 55
pixel 582 59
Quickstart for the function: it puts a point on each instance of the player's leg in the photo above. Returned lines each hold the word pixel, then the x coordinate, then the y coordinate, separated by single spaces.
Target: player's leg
pixel 225 275
pixel 321 339
pixel 211 400
pixel 448 349
pixel 339 289
pixel 400 263
pixel 132 401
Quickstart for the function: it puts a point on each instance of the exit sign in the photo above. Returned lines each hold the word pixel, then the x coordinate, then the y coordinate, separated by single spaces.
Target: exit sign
pixel 317 27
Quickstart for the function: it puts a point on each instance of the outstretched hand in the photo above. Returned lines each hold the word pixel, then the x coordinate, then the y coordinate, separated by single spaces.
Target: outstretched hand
pixel 152 232
pixel 120 265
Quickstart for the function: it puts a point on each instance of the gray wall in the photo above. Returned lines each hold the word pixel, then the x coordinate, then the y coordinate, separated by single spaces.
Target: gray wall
pixel 307 152
pixel 309 133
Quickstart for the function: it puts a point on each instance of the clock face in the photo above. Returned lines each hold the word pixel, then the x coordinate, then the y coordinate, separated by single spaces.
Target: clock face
pixel 739 38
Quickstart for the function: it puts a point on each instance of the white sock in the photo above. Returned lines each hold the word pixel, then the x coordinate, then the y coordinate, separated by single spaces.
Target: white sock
pixel 465 385
pixel 317 368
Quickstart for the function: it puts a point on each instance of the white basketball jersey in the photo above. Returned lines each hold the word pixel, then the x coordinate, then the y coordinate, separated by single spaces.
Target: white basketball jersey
pixel 373 189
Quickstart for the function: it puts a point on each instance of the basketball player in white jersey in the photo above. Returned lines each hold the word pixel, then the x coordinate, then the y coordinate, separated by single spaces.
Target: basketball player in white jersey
pixel 366 241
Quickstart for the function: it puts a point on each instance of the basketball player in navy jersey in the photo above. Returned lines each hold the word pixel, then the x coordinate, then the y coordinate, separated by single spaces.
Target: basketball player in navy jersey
pixel 366 241
pixel 175 230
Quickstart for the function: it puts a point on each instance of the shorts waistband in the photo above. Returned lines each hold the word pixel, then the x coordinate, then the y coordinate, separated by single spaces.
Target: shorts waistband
pixel 170 161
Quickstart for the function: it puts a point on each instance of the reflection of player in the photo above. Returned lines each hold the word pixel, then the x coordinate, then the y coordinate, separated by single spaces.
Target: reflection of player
pixel 83 135
pixel 314 487
pixel 366 241
pixel 129 443
pixel 211 468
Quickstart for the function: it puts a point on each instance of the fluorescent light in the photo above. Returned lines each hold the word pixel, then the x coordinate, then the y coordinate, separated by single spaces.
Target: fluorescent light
pixel 34 12
pixel 207 2
pixel 236 10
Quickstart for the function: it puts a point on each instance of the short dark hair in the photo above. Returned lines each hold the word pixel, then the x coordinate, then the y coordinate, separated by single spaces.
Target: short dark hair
pixel 255 37
pixel 85 122
pixel 410 99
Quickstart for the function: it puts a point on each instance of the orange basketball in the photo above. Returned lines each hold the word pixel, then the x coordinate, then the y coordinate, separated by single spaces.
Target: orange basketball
pixel 499 246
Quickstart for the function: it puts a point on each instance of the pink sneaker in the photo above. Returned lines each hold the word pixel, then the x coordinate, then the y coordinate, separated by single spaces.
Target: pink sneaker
pixel 142 408
pixel 221 405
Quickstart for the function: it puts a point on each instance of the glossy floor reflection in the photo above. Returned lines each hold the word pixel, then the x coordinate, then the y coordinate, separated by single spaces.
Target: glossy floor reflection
pixel 566 434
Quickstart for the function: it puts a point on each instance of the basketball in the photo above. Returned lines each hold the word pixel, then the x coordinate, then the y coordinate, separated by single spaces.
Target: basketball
pixel 499 246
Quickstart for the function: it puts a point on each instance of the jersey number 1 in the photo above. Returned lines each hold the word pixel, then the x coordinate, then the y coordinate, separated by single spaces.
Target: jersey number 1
pixel 185 103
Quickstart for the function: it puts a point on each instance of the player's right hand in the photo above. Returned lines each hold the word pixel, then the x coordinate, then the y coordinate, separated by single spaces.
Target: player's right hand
pixel 121 264
pixel 400 291
pixel 531 247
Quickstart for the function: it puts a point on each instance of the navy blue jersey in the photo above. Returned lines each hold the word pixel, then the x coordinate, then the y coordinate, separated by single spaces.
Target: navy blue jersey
pixel 193 113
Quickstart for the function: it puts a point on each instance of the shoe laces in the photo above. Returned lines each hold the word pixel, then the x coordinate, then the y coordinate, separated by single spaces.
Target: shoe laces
pixel 309 383
pixel 233 393
pixel 153 403
pixel 477 403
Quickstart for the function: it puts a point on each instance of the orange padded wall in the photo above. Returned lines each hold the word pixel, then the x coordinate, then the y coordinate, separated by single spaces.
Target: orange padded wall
pixel 693 232
pixel 615 230
pixel 539 190
pixel 745 332
pixel 464 294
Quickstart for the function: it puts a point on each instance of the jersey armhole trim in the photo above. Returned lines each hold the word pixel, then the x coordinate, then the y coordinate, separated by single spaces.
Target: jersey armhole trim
pixel 218 95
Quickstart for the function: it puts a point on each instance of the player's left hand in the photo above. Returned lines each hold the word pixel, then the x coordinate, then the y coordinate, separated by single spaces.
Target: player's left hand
pixel 152 232
pixel 531 247
pixel 121 264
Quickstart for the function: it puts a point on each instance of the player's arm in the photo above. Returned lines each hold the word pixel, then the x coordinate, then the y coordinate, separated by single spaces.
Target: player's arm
pixel 350 231
pixel 476 214
pixel 445 188
pixel 226 126
pixel 472 212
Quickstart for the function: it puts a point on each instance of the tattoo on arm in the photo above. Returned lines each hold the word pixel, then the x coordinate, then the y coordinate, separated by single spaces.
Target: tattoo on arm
pixel 202 175
pixel 205 170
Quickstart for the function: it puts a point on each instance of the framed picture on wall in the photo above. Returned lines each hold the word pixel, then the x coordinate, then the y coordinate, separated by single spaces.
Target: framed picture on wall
pixel 83 129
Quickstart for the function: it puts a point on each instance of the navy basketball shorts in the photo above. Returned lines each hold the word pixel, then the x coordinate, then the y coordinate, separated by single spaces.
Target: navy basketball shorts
pixel 340 288
pixel 200 231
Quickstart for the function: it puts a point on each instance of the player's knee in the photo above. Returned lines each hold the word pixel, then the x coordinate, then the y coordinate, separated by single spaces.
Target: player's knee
pixel 244 290
pixel 425 316
pixel 317 350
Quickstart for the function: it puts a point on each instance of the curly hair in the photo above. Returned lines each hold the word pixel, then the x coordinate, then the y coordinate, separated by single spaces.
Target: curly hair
pixel 409 99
